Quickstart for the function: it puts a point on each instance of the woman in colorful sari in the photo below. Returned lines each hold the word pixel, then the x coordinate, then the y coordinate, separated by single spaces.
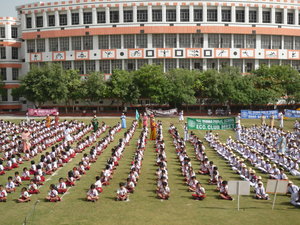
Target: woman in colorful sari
pixel 153 129
pixel 48 121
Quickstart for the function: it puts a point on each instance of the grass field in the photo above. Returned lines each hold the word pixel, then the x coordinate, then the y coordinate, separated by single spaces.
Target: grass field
pixel 144 207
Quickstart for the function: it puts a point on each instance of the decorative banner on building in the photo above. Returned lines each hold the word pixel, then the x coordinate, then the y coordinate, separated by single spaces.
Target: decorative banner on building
pixel 293 54
pixel 193 53
pixel 247 53
pixel 292 113
pixel 249 114
pixel 271 54
pixel 59 56
pixel 36 57
pixel 162 113
pixel 135 53
pixel 164 53
pixel 42 112
pixel 222 53
pixel 82 55
pixel 108 54
pixel 211 124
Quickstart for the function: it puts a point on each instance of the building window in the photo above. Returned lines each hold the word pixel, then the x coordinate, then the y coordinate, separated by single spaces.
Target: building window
pixel 67 65
pixel 76 43
pixel 15 98
pixel 63 20
pixel 30 46
pixel 51 20
pixel 87 42
pixel 297 43
pixel 116 65
pixel 288 42
pixel 276 42
pixel 170 64
pixel 128 16
pixel 75 18
pixel 39 21
pixel 184 15
pixel 266 17
pixel 28 22
pixel 238 40
pixel 64 44
pixel 198 15
pixel 278 17
pixel 4 95
pixel 184 41
pixel 290 18
pixel 212 15
pixel 157 40
pixel 240 16
pixel 114 16
pixel 104 66
pixel 2 32
pixel 142 15
pixel 103 41
pixel 128 41
pixel 115 41
pixel 129 64
pixel 87 18
pixel 14 53
pixel 250 41
pixel 184 64
pixel 225 41
pixel 141 41
pixel 171 40
pixel 53 44
pixel 158 62
pixel 252 16
pixel 197 64
pixel 226 15
pixel 40 45
pixel 265 41
pixel 14 32
pixel 79 65
pixel 15 73
pixel 197 41
pixel 213 40
pixel 156 15
pixel 90 66
pixel 171 15
pixel 3 74
pixel 101 17
pixel 2 53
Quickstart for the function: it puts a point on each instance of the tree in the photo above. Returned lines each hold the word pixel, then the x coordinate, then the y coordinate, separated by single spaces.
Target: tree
pixel 95 87
pixel 121 86
pixel 180 87
pixel 75 87
pixel 43 84
pixel 151 82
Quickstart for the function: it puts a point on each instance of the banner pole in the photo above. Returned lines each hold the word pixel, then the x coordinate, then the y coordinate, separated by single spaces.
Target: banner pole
pixel 238 193
pixel 275 195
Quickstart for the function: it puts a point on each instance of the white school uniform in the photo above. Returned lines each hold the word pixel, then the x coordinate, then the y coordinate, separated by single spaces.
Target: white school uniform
pixel 3 194
pixel 122 191
pixel 295 199
pixel 93 193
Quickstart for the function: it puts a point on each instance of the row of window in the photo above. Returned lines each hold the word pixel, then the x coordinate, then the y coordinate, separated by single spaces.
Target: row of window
pixel 4 96
pixel 157 16
pixel 14 53
pixel 163 41
pixel 14 32
pixel 15 74
pixel 107 66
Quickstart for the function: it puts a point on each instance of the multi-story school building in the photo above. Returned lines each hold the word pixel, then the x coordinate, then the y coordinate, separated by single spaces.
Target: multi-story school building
pixel 103 35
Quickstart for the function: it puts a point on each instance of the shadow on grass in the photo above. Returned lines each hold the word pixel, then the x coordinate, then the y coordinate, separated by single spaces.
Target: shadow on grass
pixel 111 198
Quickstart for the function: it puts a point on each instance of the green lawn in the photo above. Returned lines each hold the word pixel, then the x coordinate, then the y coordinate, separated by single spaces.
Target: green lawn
pixel 144 207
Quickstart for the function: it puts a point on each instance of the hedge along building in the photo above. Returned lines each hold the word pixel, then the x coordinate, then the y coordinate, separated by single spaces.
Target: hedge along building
pixel 103 35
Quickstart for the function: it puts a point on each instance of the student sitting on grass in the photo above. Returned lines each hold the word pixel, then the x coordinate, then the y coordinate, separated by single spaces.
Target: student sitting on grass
pixel 122 193
pixel 224 191
pixel 53 194
pixel 3 194
pixel 2 171
pixel 10 185
pixel 98 184
pixel 61 187
pixel 25 196
pixel 25 174
pixel 260 192
pixel 199 192
pixel 92 194
pixel 164 191
pixel 17 179
pixel 32 188
pixel 129 185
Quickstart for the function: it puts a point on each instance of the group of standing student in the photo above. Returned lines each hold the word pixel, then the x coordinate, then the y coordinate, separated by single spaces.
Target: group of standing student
pixel 48 163
pixel 162 190
pixel 272 120
pixel 111 165
pixel 186 166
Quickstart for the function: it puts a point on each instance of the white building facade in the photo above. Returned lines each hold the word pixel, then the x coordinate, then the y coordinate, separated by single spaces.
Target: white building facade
pixel 103 35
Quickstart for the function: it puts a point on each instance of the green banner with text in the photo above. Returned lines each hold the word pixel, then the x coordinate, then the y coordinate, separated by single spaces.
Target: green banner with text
pixel 211 124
